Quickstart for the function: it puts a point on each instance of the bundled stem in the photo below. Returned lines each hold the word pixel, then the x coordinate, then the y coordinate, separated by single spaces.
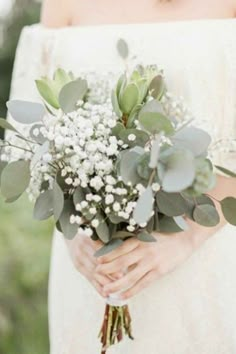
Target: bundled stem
pixel 116 325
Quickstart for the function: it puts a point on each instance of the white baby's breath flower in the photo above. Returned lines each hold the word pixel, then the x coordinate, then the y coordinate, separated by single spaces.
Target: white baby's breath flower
pixel 130 228
pixel 95 223
pixel 72 219
pixel 88 232
pixel 116 206
pixel 93 210
pixel 69 180
pixel 109 199
pixel 156 187
pixel 84 204
pixel 131 137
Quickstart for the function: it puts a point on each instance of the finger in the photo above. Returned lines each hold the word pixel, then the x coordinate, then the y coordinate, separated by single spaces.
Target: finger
pixel 99 289
pixel 120 263
pixel 102 279
pixel 139 286
pixel 125 248
pixel 127 281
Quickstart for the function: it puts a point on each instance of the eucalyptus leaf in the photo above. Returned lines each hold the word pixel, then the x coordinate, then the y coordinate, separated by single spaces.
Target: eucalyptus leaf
pixel 128 167
pixel 153 119
pixel 71 93
pixel 115 219
pixel 3 164
pixel 226 171
pixel 168 225
pixel 109 247
pixel 4 124
pixel 144 207
pixel 206 215
pixel 26 112
pixel 141 137
pixel 129 98
pixel 122 235
pixel 228 206
pixel 48 92
pixel 43 208
pixel 180 221
pixel 118 129
pixel 143 169
pixel 178 171
pixel 78 195
pixel 144 236
pixel 194 139
pixel 123 48
pixel 157 87
pixel 41 150
pixel 171 204
pixel 40 139
pixel 15 178
pixel 58 201
pixel 155 150
pixel 69 230
pixel 103 230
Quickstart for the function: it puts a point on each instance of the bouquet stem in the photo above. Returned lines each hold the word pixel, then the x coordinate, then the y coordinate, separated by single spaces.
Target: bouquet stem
pixel 116 325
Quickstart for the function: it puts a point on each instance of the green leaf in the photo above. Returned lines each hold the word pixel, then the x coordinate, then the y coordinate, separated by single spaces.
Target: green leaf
pixel 145 237
pixel 4 124
pixel 128 167
pixel 228 206
pixel 206 215
pixel 153 120
pixel 123 48
pixel 194 139
pixel 48 92
pixel 143 169
pixel 171 204
pixel 61 78
pixel 129 98
pixel 40 139
pixel 180 221
pixel 71 93
pixel 122 235
pixel 3 164
pixel 102 229
pixel 225 171
pixel 109 247
pixel 141 137
pixel 115 103
pixel 43 208
pixel 118 129
pixel 168 225
pixel 177 171
pixel 78 196
pixel 115 219
pixel 155 151
pixel 69 230
pixel 40 151
pixel 26 112
pixel 144 207
pixel 157 87
pixel 15 179
pixel 58 201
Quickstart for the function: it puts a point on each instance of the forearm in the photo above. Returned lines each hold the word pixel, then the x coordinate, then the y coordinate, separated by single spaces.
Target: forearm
pixel 198 234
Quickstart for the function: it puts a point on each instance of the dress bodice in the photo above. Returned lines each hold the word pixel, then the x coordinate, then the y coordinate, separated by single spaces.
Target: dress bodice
pixel 198 58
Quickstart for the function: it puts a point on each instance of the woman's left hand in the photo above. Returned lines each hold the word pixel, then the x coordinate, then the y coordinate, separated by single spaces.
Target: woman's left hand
pixel 146 262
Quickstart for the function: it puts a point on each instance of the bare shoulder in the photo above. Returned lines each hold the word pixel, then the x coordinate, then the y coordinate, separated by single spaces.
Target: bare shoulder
pixel 56 13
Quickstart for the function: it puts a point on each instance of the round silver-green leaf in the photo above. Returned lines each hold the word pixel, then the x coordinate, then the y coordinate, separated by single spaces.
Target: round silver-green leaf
pixel 15 179
pixel 228 206
pixel 206 215
pixel 26 112
pixel 71 93
pixel 144 207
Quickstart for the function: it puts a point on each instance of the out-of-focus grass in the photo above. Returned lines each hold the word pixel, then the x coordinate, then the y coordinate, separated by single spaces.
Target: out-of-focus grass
pixel 24 264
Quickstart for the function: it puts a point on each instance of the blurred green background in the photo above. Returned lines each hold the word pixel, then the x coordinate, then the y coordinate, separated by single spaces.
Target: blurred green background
pixel 24 243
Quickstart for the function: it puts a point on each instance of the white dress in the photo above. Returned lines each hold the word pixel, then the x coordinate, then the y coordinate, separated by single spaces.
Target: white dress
pixel 193 309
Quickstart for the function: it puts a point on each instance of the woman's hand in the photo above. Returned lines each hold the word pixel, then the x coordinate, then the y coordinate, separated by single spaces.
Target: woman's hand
pixel 82 250
pixel 146 262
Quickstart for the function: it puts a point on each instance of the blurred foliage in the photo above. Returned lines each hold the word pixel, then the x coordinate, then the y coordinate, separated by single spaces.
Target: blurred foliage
pixel 24 243
pixel 24 12
pixel 24 264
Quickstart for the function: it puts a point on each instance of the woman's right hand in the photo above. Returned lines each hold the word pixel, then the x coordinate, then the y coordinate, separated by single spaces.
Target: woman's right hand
pixel 82 249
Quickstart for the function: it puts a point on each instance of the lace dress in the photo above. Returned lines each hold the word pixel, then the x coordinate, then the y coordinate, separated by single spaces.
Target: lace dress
pixel 193 309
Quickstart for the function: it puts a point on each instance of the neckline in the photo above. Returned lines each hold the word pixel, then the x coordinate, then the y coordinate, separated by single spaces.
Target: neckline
pixel 168 23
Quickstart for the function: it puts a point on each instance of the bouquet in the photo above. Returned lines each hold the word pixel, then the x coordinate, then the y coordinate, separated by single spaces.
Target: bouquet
pixel 116 161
